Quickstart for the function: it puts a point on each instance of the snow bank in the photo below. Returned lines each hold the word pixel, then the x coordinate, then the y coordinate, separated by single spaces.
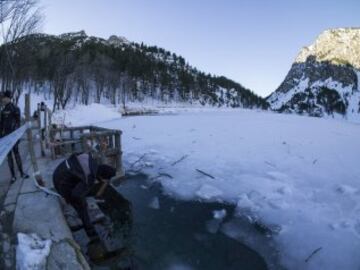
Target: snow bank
pixel 85 115
pixel 75 115
pixel 297 174
pixel 177 107
pixel 31 252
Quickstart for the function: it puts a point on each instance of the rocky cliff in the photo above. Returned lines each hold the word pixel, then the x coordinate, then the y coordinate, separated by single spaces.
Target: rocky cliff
pixel 324 79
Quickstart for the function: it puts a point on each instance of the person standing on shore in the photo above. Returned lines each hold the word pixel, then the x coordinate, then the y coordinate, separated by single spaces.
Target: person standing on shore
pixel 9 122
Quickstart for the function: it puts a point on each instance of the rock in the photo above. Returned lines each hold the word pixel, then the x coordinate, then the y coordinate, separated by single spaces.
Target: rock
pixel 66 255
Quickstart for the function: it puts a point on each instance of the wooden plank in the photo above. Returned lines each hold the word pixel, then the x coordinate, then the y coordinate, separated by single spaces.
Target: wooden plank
pixel 72 139
pixel 99 134
pixel 79 128
pixel 119 167
pixel 73 220
pixel 94 211
pixel 50 116
pixel 103 225
pixel 39 116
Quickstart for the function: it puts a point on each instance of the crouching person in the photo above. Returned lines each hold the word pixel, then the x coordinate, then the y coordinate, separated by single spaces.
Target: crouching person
pixel 74 178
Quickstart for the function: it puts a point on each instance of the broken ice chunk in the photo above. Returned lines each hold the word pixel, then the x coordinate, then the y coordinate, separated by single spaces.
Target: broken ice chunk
pixel 219 214
pixel 154 204
pixel 208 192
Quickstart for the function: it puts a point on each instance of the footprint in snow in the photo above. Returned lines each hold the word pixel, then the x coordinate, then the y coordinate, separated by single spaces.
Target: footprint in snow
pixel 346 190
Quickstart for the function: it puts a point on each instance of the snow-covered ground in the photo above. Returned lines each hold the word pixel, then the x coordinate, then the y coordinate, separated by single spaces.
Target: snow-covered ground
pixel 85 115
pixel 31 252
pixel 77 115
pixel 299 173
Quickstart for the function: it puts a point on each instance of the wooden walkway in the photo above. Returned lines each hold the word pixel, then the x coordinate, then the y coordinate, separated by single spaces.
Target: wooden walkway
pixel 5 175
pixel 7 203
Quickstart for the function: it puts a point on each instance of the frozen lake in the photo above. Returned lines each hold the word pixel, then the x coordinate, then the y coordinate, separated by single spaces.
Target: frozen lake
pixel 298 175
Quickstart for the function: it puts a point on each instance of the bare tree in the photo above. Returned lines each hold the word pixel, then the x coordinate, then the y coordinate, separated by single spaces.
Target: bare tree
pixel 126 83
pixel 6 9
pixel 63 82
pixel 18 18
pixel 113 84
pixel 99 79
pixel 82 76
pixel 100 68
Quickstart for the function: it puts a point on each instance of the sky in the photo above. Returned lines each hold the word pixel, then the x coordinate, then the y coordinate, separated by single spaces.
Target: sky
pixel 252 42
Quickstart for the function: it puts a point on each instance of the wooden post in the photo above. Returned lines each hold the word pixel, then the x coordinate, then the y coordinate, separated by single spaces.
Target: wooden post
pixel 72 138
pixel 84 143
pixel 41 129
pixel 119 153
pixel 39 116
pixel 49 127
pixel 111 141
pixel 45 118
pixel 49 115
pixel 30 137
pixel 51 142
pixel 46 134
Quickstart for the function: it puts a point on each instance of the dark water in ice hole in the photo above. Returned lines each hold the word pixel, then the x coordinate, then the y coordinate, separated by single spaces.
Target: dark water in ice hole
pixel 175 235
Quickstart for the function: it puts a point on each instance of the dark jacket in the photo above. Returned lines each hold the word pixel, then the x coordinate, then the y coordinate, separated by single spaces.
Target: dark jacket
pixel 9 119
pixel 71 179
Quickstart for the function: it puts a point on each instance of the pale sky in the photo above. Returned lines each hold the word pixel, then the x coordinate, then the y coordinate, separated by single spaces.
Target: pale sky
pixel 253 42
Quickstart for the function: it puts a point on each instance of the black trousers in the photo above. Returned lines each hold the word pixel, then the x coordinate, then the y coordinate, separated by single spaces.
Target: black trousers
pixel 16 153
pixel 74 192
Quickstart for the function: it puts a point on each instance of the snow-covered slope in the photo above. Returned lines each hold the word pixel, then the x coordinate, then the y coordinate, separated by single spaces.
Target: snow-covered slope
pixel 298 175
pixel 337 46
pixel 324 80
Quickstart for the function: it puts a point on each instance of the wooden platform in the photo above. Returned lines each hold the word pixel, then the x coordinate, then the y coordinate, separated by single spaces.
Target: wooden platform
pixel 112 244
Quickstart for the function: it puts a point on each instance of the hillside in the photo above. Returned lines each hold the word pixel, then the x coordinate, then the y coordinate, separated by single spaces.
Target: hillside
pixel 324 79
pixel 75 67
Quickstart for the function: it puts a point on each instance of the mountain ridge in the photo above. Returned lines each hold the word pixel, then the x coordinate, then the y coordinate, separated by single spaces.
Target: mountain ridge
pixel 324 78
pixel 87 68
pixel 337 46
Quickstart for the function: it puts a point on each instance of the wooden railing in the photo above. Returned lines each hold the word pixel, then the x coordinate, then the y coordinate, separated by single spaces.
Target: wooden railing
pixel 104 143
pixel 43 122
